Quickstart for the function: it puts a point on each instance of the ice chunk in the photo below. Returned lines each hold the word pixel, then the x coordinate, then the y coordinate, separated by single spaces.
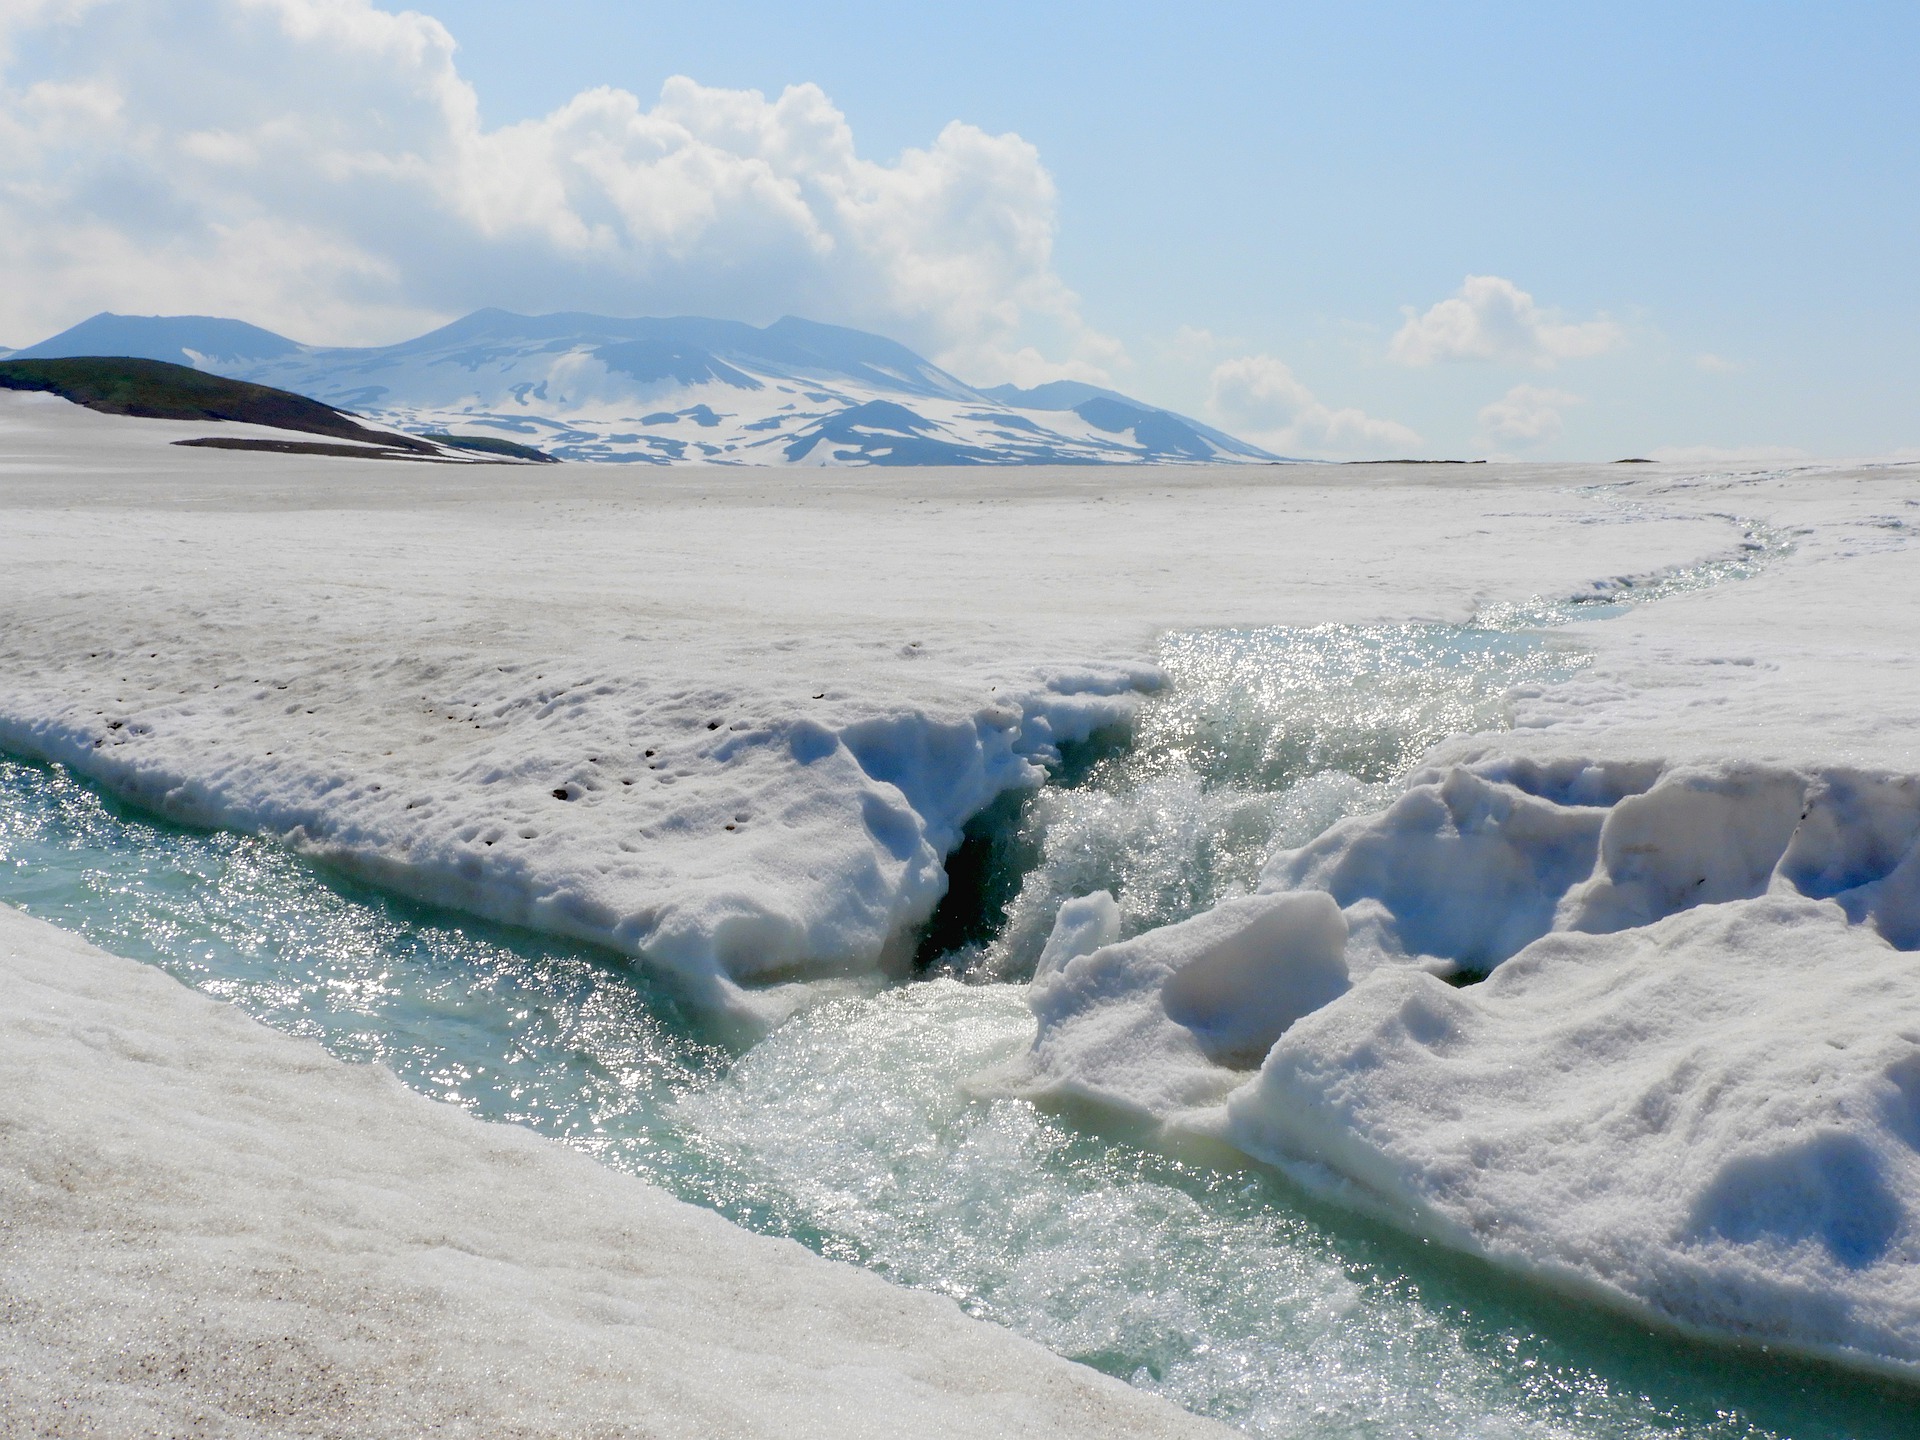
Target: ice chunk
pixel 1859 842
pixel 1166 1021
pixel 1082 926
pixel 1698 837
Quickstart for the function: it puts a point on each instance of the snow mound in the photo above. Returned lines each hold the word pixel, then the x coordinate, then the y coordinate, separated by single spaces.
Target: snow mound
pixel 1712 1119
pixel 1158 1025
pixel 1690 1083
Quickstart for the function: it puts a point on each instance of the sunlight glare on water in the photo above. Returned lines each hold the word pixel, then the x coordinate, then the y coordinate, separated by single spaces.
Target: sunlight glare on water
pixel 1264 737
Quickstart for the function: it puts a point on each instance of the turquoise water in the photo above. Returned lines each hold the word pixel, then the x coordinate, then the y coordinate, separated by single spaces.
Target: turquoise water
pixel 852 1128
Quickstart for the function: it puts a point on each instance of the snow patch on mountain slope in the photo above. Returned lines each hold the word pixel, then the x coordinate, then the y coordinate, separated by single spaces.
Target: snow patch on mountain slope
pixel 663 391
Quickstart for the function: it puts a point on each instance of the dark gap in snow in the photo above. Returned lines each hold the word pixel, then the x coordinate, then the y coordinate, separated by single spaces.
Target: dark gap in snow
pixel 997 850
pixel 1078 759
pixel 983 875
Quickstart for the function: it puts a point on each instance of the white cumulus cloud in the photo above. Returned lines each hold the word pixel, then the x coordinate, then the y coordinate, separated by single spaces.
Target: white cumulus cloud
pixel 320 166
pixel 1526 415
pixel 1262 396
pixel 1494 319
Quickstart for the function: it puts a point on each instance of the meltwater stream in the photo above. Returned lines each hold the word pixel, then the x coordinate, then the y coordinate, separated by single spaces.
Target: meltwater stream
pixel 1263 739
pixel 851 1128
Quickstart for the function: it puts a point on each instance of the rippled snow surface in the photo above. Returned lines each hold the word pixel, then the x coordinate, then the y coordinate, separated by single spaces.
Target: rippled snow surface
pixel 852 1129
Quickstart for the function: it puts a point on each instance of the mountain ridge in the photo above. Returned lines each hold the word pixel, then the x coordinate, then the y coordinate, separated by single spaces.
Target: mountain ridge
pixel 666 390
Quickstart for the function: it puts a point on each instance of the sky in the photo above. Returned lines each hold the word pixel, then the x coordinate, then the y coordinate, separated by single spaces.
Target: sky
pixel 1563 231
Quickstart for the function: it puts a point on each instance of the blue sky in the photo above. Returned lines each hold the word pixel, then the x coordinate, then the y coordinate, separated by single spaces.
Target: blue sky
pixel 1725 195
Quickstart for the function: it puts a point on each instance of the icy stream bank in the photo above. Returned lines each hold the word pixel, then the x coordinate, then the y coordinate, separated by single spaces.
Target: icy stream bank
pixel 851 1128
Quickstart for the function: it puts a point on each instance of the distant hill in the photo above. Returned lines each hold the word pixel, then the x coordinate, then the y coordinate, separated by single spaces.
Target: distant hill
pixel 160 390
pixel 664 390
pixel 200 341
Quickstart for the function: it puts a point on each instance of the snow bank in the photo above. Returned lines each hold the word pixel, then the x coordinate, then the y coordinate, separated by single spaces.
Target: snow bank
pixel 1711 1120
pixel 207 1227
pixel 734 850
pixel 1689 1084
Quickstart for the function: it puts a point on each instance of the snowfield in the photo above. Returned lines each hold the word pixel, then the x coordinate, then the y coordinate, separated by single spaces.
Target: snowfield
pixel 730 723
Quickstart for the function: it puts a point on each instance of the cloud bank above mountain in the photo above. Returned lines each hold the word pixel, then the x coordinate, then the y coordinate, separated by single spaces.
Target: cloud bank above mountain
pixel 321 167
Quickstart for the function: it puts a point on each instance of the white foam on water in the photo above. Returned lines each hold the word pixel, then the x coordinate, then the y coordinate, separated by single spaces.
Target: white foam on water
pixel 1262 739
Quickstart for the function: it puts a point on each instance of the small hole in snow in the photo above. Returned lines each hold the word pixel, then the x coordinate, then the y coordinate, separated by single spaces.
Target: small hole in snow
pixel 563 794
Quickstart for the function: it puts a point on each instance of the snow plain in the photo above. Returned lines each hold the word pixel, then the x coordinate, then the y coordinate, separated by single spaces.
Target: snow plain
pixel 730 722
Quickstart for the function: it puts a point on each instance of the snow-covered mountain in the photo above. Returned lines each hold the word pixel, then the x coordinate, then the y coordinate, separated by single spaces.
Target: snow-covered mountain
pixel 587 387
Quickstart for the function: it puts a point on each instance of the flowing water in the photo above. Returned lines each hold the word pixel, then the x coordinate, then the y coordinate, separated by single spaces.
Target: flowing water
pixel 852 1129
pixel 1264 738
